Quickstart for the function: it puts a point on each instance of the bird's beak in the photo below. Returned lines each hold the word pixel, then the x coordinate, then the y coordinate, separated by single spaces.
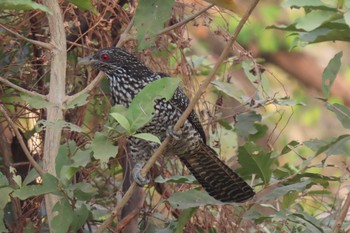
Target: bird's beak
pixel 89 60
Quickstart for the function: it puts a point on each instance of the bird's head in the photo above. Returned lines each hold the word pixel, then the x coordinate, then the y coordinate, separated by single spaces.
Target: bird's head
pixel 109 60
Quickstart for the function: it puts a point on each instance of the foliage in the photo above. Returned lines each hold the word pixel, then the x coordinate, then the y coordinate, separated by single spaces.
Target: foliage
pixel 294 191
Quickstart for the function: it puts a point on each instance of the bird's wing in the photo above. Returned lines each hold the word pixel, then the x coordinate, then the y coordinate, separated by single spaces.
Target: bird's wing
pixel 180 101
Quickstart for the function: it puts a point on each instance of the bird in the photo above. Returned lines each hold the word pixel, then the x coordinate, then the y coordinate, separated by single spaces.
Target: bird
pixel 127 76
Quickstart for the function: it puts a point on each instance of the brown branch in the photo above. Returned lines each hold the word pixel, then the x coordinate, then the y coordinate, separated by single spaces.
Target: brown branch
pixel 36 42
pixel 21 89
pixel 191 17
pixel 21 142
pixel 343 212
pixel 181 120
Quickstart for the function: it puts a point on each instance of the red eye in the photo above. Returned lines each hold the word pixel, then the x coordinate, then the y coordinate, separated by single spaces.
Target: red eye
pixel 105 57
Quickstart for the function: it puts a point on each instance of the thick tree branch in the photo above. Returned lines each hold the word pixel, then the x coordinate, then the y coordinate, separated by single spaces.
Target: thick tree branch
pixel 36 42
pixel 182 119
pixel 21 142
pixel 21 89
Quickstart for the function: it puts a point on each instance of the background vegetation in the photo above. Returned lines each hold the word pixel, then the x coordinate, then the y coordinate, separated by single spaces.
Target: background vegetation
pixel 277 112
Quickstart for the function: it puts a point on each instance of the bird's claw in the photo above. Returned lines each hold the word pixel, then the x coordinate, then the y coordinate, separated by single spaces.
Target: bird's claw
pixel 174 134
pixel 137 175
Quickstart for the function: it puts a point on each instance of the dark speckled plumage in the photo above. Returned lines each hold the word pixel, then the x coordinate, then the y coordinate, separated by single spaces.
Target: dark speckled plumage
pixel 127 76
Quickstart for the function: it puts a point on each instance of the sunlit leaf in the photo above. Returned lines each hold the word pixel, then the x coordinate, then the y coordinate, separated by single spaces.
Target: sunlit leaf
pixel 283 190
pixel 84 5
pixel 330 73
pixel 78 101
pixel 342 113
pixel 36 101
pixel 189 179
pixel 122 120
pixel 147 137
pixel 57 125
pixel 314 19
pixel 229 89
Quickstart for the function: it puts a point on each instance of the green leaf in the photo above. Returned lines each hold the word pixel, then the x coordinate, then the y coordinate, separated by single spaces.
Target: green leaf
pixel 281 191
pixel 147 137
pixel 57 125
pixel 184 218
pixel 289 147
pixel 63 219
pixel 314 19
pixel 32 175
pixel 84 5
pixel 245 125
pixel 62 158
pixel 342 113
pixel 330 73
pixel 80 100
pixel 313 4
pixel 347 17
pixel 311 223
pixel 331 147
pixel 229 89
pixel 36 101
pixel 254 160
pixel 49 185
pixel 141 109
pixel 189 179
pixel 122 120
pixel 22 5
pixel 150 18
pixel 191 198
pixel 80 216
pixel 3 180
pixel 83 191
pixel 4 199
pixel 102 148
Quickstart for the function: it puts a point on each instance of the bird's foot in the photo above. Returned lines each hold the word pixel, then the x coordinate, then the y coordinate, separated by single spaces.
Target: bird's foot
pixel 174 134
pixel 138 177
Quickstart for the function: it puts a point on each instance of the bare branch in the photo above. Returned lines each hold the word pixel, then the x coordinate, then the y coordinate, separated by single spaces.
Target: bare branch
pixel 21 142
pixel 191 17
pixel 36 42
pixel 21 89
pixel 343 212
pixel 182 119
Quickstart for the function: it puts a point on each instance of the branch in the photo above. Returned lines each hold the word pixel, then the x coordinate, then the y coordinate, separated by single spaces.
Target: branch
pixel 342 215
pixel 181 120
pixel 21 89
pixel 191 17
pixel 36 42
pixel 21 142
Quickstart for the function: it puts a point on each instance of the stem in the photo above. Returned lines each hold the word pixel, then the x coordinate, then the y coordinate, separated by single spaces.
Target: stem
pixel 342 215
pixel 181 120
pixel 56 95
pixel 21 89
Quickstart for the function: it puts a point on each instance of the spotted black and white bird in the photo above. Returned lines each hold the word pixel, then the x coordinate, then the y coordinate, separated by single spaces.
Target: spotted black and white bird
pixel 127 77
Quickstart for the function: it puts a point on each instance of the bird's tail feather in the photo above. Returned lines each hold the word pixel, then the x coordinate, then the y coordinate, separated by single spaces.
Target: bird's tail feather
pixel 220 181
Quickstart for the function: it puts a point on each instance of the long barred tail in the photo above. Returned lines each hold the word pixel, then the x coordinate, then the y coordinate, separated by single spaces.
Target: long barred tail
pixel 220 181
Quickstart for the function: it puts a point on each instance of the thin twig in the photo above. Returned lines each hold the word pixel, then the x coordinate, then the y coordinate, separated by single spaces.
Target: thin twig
pixel 21 89
pixel 343 212
pixel 100 75
pixel 21 142
pixel 191 17
pixel 36 42
pixel 181 120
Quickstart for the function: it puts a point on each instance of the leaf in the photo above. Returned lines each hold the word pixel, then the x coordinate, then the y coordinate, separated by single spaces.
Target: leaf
pixel 314 19
pixel 150 18
pixel 289 147
pixel 330 73
pixel 311 223
pixel 102 148
pixel 84 5
pixel 83 191
pixel 331 147
pixel 122 120
pixel 80 100
pixel 31 176
pixel 80 217
pixel 254 160
pixel 36 101
pixel 188 179
pixel 63 219
pixel 22 5
pixel 314 4
pixel 347 17
pixel 245 125
pixel 191 198
pixel 62 158
pixel 184 218
pixel 229 89
pixel 342 113
pixel 281 191
pixel 57 125
pixel 49 185
pixel 142 106
pixel 147 137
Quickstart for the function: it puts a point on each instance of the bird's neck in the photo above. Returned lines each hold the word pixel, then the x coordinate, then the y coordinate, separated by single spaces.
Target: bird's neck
pixel 125 84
